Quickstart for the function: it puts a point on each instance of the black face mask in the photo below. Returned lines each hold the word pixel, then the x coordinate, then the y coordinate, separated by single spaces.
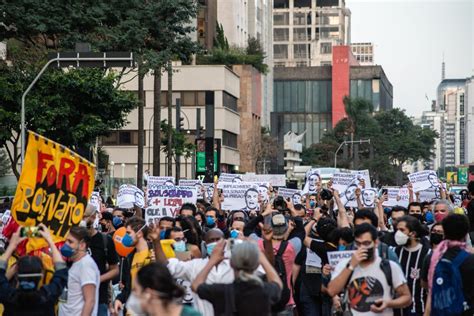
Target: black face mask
pixel 436 239
pixel 418 217
pixel 103 227
pixel 370 253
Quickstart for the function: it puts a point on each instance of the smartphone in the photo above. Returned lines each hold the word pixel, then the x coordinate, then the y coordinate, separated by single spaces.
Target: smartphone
pixel 30 231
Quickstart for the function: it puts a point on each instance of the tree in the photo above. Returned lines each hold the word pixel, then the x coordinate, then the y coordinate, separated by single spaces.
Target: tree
pixel 220 41
pixel 181 146
pixel 71 107
pixel 4 162
pixel 265 150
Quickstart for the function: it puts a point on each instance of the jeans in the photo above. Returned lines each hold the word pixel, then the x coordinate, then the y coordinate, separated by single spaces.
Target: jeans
pixel 310 305
pixel 287 312
pixel 103 310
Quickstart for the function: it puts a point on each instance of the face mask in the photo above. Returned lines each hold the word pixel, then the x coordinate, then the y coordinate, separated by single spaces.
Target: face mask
pixel 370 253
pixel 429 218
pixel 418 217
pixel 179 246
pixel 67 251
pixel 312 204
pixel 163 234
pixel 103 228
pixel 210 248
pixel 436 239
pixel 341 247
pixel 127 241
pixel 117 221
pixel 440 216
pixel 133 304
pixel 234 233
pixel 210 221
pixel 400 238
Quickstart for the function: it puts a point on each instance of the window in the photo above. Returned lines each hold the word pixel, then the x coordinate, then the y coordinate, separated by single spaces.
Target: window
pixel 461 104
pixel 301 64
pixel 164 98
pixel 300 50
pixel 326 48
pixel 229 139
pixel 279 64
pixel 188 98
pixel 326 63
pixel 280 35
pixel 144 96
pixel 229 101
pixel 301 18
pixel 281 18
pixel 121 138
pixel 201 98
pixel 300 34
pixel 302 3
pixel 280 51
pixel 281 4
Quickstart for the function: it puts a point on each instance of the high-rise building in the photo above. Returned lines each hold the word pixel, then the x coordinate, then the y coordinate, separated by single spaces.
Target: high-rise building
pixel 434 120
pixel 469 120
pixel 206 23
pixel 233 16
pixel 451 100
pixel 304 31
pixel 364 53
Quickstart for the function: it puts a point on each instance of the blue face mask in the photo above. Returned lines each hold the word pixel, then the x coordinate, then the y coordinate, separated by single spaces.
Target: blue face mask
pixel 127 241
pixel 179 246
pixel 210 221
pixel 210 248
pixel 234 233
pixel 116 221
pixel 312 203
pixel 341 248
pixel 67 251
pixel 162 234
pixel 429 217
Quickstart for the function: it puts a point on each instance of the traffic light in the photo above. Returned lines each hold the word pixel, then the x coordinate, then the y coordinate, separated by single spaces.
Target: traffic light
pixel 181 123
pixel 201 132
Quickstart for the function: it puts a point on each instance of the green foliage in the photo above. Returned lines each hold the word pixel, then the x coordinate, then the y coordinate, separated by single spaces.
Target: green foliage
pixel 181 145
pixel 222 54
pixel 4 162
pixel 395 140
pixel 72 107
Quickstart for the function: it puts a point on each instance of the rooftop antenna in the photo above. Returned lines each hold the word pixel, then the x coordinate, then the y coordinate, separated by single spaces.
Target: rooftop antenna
pixel 443 69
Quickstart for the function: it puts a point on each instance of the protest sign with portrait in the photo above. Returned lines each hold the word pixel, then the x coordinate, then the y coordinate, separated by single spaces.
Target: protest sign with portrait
pixel 240 196
pixel 167 201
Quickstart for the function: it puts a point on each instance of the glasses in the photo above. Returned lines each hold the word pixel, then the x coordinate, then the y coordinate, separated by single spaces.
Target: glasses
pixel 180 239
pixel 367 243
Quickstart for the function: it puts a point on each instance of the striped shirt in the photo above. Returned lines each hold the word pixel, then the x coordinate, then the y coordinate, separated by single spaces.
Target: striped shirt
pixel 411 261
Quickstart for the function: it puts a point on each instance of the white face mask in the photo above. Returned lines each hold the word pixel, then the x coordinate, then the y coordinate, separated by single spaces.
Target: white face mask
pixel 133 305
pixel 401 238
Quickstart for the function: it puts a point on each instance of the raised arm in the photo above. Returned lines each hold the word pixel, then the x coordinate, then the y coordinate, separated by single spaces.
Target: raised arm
pixel 216 257
pixel 342 219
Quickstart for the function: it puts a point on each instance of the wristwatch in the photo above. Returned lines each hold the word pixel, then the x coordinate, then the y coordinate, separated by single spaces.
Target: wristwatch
pixel 349 266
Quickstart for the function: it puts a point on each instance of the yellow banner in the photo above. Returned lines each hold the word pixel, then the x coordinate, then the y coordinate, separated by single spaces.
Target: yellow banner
pixel 54 188
pixel 451 177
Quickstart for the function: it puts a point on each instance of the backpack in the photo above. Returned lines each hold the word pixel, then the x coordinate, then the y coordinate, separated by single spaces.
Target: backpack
pixel 280 269
pixel 447 297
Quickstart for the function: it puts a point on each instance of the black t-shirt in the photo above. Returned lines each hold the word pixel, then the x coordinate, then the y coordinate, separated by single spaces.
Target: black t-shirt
pixel 466 269
pixel 310 277
pixel 321 248
pixel 250 298
pixel 98 254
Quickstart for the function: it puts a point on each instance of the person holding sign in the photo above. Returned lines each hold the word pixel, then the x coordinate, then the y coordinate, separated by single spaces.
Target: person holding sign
pixel 369 280
pixel 28 298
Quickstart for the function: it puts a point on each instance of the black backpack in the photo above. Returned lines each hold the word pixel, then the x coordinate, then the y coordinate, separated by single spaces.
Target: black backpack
pixel 280 269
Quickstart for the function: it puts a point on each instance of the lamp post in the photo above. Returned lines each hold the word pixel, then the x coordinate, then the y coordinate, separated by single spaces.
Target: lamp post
pixel 88 59
pixel 346 142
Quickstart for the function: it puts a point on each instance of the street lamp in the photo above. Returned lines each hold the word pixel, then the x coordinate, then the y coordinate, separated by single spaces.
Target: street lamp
pixel 76 59
pixel 346 142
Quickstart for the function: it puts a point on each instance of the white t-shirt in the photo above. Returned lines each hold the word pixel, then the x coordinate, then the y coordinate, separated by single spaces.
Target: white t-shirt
pixel 81 273
pixel 368 285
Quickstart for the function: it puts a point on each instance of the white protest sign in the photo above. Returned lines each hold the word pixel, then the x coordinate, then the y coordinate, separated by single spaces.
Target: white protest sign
pixel 209 190
pixel 346 184
pixel 429 195
pixel 240 196
pixel 129 196
pixel 312 178
pixel 368 197
pixel 167 201
pixel 334 257
pixel 423 180
pixel 363 174
pixel 396 196
pixel 293 194
pixel 157 181
pixel 276 180
pixel 228 178
pixel 262 188
pixel 193 182
pixel 95 200
pixel 457 200
pixel 312 259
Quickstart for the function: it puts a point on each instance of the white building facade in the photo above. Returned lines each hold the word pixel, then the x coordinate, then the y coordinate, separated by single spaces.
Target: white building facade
pixel 233 15
pixel 364 53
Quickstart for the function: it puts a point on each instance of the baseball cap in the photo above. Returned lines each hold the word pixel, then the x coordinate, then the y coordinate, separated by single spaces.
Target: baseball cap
pixel 279 224
pixel 90 210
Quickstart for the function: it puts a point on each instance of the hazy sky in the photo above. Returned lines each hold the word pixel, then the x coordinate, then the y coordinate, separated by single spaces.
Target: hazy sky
pixel 410 37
